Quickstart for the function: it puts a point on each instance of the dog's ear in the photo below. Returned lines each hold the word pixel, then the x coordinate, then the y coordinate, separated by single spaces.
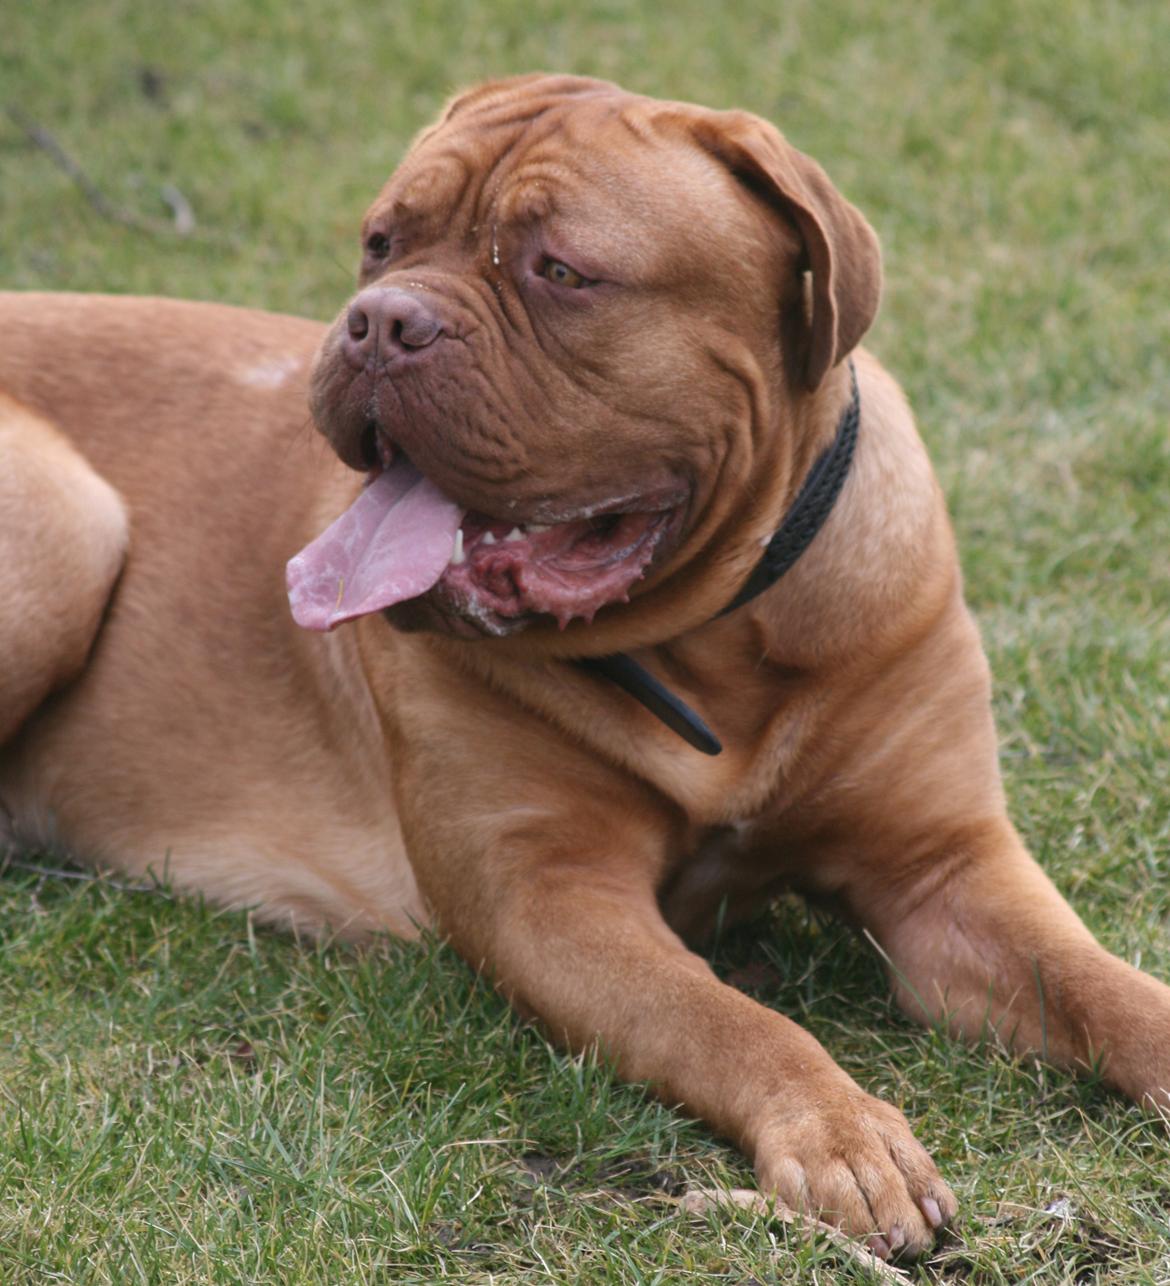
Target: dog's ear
pixel 841 249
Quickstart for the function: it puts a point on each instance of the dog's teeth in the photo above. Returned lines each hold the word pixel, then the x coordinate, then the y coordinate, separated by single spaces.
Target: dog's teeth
pixel 457 554
pixel 488 538
pixel 535 528
pixel 515 534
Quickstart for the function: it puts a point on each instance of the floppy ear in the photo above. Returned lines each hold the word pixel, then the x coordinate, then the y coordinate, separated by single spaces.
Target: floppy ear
pixel 841 250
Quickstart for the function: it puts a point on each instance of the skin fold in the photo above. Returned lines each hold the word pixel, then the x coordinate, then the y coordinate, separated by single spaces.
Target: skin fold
pixel 444 764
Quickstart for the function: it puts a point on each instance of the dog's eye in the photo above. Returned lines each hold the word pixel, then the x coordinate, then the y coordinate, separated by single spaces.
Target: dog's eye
pixel 377 245
pixel 560 274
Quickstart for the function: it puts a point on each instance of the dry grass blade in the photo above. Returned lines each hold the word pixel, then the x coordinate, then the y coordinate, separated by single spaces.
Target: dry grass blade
pixel 69 165
pixel 700 1201
pixel 182 224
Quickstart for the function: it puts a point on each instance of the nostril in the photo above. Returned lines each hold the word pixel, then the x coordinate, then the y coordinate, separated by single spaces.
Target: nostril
pixel 416 330
pixel 357 323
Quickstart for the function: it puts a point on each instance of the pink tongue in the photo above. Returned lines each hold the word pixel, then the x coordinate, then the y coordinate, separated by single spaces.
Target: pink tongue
pixel 391 544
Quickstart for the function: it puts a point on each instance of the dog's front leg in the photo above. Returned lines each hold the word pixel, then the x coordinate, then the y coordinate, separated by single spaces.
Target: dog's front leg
pixel 978 938
pixel 549 885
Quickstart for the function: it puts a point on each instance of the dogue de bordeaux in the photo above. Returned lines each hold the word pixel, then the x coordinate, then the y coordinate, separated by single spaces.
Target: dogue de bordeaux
pixel 600 484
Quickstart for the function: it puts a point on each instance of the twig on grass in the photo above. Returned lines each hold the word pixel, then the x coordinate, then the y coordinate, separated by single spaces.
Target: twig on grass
pixel 698 1201
pixel 182 223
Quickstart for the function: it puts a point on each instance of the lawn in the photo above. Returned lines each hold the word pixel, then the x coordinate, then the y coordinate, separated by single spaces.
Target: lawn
pixel 183 1099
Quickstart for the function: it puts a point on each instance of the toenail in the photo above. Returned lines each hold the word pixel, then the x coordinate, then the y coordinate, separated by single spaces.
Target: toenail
pixel 879 1246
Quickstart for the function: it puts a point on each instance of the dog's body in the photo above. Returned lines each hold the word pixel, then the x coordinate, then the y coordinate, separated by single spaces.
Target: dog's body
pixel 371 779
pixel 207 735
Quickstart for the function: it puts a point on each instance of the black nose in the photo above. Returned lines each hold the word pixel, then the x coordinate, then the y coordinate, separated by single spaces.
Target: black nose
pixel 390 322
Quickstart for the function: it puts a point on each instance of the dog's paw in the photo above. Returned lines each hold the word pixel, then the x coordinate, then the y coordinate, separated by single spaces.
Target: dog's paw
pixel 854 1163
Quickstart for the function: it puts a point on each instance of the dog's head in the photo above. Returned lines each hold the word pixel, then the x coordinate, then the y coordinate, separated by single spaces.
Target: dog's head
pixel 585 326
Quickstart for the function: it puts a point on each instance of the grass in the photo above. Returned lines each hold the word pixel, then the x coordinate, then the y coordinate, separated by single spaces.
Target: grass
pixel 184 1100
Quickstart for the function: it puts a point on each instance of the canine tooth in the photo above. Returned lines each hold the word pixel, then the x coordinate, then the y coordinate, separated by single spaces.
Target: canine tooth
pixel 457 554
pixel 535 528
pixel 515 534
pixel 488 538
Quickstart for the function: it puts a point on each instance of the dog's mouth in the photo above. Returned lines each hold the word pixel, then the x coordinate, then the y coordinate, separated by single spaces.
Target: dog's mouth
pixel 403 538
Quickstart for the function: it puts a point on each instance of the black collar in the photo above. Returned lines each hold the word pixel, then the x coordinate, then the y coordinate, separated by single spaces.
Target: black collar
pixel 807 516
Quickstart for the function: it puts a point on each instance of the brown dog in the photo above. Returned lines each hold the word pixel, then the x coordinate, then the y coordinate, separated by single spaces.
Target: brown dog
pixel 598 348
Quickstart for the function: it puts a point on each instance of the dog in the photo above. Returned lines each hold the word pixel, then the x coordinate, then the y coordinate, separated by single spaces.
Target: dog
pixel 620 595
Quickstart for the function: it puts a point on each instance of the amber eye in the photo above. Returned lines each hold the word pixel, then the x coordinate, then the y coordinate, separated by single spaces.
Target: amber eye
pixel 560 274
pixel 377 245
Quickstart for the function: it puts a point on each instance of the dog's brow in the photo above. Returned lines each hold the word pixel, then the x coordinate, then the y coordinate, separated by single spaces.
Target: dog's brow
pixel 527 198
pixel 433 190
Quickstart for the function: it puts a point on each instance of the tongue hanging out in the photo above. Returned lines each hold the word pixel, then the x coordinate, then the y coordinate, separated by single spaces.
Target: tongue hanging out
pixel 391 544
pixel 403 537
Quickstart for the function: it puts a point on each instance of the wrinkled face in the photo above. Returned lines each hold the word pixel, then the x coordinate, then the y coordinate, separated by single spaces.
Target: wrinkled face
pixel 555 370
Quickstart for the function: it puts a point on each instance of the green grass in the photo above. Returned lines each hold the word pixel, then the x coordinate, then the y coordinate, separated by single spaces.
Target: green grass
pixel 182 1100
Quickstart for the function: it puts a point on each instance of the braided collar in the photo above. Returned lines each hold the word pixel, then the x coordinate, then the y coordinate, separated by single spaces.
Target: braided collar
pixel 810 509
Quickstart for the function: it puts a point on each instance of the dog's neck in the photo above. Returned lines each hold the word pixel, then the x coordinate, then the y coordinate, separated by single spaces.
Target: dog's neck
pixel 805 517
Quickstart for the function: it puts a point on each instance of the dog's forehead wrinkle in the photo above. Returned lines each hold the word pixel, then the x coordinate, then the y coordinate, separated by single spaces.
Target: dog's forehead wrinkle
pixel 420 195
pixel 534 144
pixel 503 111
pixel 438 178
pixel 541 90
pixel 529 195
pixel 493 161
